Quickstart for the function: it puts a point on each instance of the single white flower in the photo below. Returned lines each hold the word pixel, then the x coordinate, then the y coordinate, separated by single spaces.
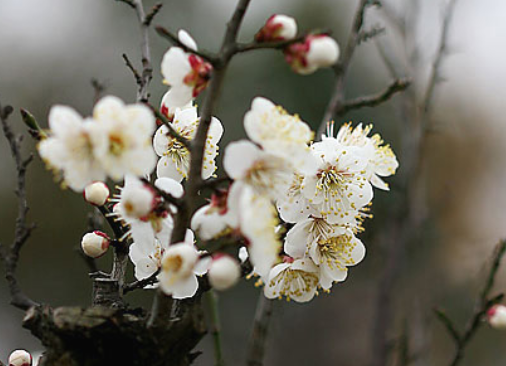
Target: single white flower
pixel 95 244
pixel 299 238
pixel 280 133
pixel 293 206
pixel 224 272
pixel 175 157
pixel 137 199
pixel 382 160
pixel 179 270
pixel 496 317
pixel 267 174
pixel 258 223
pixel 121 138
pixel 69 148
pixel 339 188
pixel 316 51
pixel 20 357
pixel 295 279
pixel 96 193
pixel 277 28
pixel 186 73
pixel 215 219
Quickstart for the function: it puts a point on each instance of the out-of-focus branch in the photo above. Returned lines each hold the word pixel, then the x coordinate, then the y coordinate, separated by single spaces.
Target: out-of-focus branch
pixel 341 68
pixel 10 256
pixel 152 13
pixel 278 45
pixel 98 88
pixel 212 298
pixel 483 303
pixel 259 333
pixel 375 99
pixel 435 75
pixel 367 35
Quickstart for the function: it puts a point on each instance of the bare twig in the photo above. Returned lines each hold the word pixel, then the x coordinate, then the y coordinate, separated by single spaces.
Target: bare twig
pixel 163 32
pixel 341 68
pixel 136 285
pixel 10 256
pixel 152 13
pixel 483 303
pixel 212 298
pixel 98 88
pixel 183 140
pixel 143 78
pixel 375 99
pixel 278 45
pixel 259 333
pixel 367 35
pixel 435 74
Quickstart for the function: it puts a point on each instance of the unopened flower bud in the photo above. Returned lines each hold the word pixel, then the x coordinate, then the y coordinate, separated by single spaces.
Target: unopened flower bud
pixel 224 272
pixel 96 193
pixel 277 28
pixel 496 317
pixel 315 52
pixel 95 244
pixel 20 358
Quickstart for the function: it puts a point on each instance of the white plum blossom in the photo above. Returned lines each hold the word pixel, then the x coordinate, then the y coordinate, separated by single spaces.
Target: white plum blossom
pixel 316 51
pixel 186 73
pixel 496 317
pixel 339 188
pixel 136 200
pixel 382 160
pixel 280 133
pixel 20 357
pixel 180 267
pixel 295 279
pixel 224 272
pixel 267 174
pixel 95 244
pixel 121 137
pixel 258 223
pixel 96 193
pixel 69 148
pixel 174 156
pixel 278 27
pixel 293 206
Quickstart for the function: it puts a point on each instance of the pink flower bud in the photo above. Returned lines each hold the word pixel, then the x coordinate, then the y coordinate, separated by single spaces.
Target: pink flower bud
pixel 224 272
pixel 496 317
pixel 277 28
pixel 315 52
pixel 96 193
pixel 20 358
pixel 95 244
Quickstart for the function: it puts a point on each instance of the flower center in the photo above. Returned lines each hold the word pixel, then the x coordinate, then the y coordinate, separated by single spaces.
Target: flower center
pixel 116 144
pixel 337 251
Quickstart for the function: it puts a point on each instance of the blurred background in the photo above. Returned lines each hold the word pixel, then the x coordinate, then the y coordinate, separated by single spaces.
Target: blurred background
pixel 50 50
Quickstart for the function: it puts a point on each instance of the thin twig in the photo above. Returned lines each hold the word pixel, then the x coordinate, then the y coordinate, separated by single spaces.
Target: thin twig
pixel 367 35
pixel 22 231
pixel 174 39
pixel 98 88
pixel 278 45
pixel 141 284
pixel 152 13
pixel 183 140
pixel 212 298
pixel 375 99
pixel 483 303
pixel 259 333
pixel 132 68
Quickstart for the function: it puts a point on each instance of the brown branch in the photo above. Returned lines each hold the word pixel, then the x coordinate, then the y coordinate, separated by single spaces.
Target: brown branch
pixel 185 212
pixel 166 196
pixel 136 285
pixel 98 88
pixel 137 76
pixel 174 39
pixel 365 36
pixel 22 231
pixel 277 45
pixel 152 13
pixel 183 140
pixel 483 303
pixel 259 333
pixel 375 99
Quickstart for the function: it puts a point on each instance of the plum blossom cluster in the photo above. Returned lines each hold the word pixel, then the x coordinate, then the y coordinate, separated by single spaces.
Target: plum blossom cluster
pixel 292 206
